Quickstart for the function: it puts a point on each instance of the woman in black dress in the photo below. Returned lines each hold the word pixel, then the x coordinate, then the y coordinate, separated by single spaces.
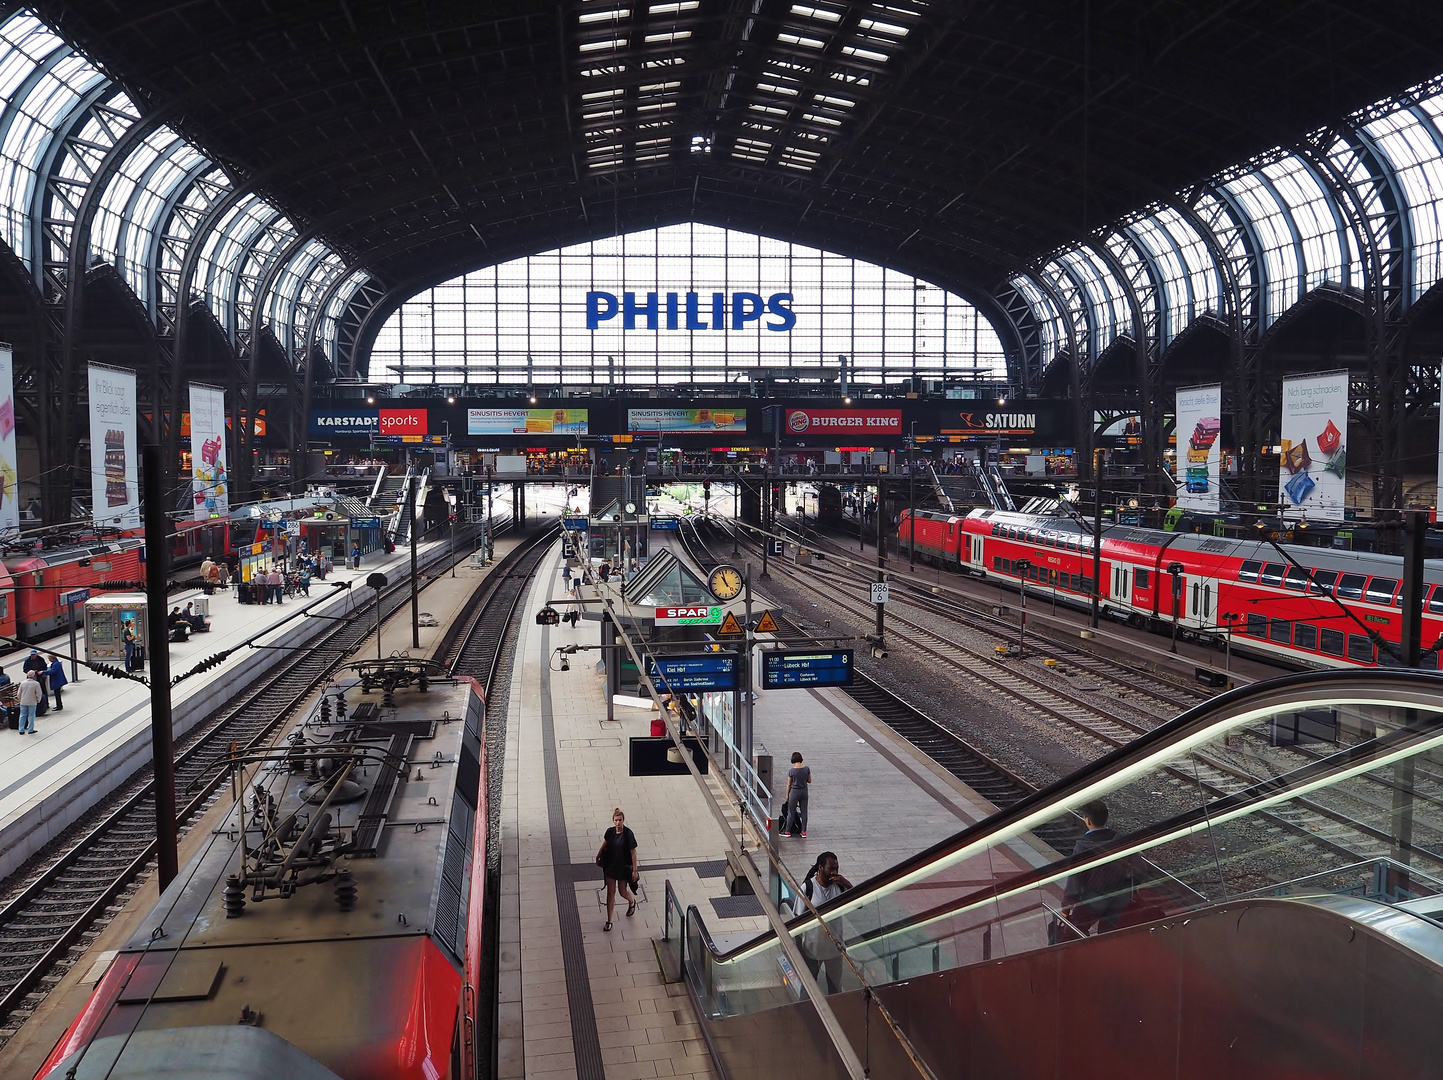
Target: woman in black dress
pixel 617 859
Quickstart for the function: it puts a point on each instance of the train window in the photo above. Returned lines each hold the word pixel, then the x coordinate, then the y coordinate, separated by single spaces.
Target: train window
pixel 1072 543
pixel 1360 648
pixel 1305 636
pixel 1350 587
pixel 1272 573
pixel 1281 631
pixel 1323 581
pixel 1249 571
pixel 997 563
pixel 1381 590
pixel 5 606
pixel 1086 586
pixel 1257 625
pixel 1435 602
pixel 1296 578
pixel 1331 642
pixel 1196 596
pixel 1207 601
pixel 1140 578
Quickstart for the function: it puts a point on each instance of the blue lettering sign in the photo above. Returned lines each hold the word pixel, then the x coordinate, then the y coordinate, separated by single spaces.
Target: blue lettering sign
pixel 687 314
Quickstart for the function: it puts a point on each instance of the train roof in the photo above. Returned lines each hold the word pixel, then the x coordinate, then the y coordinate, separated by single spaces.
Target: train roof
pixel 35 560
pixel 417 825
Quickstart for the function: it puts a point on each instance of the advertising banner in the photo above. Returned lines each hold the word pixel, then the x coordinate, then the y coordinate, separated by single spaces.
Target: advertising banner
pixel 9 474
pixel 207 452
pixel 686 420
pixel 1033 422
pixel 695 615
pixel 114 452
pixel 849 422
pixel 1199 456
pixel 402 422
pixel 526 421
pixel 1312 481
pixel 344 422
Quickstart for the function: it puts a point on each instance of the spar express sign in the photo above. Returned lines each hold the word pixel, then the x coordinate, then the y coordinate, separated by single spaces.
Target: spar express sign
pixel 691 311
pixel 844 421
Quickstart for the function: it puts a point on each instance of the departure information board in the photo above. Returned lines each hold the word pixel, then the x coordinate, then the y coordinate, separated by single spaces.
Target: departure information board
pixel 703 671
pixel 784 669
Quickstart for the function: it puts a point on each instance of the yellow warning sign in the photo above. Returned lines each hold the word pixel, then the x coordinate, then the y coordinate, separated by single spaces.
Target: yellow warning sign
pixel 729 626
pixel 768 625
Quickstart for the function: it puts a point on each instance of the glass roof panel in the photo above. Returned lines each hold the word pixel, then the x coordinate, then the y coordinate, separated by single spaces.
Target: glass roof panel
pixel 1105 295
pixel 1050 331
pixel 1271 223
pixel 1314 217
pixel 1406 138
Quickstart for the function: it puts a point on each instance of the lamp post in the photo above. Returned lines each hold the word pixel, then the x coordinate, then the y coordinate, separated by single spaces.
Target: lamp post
pixel 1175 569
pixel 912 498
pixel 1022 566
pixel 1228 617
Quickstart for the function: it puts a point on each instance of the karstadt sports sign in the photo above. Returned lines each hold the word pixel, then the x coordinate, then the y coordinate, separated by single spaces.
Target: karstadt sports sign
pixel 344 422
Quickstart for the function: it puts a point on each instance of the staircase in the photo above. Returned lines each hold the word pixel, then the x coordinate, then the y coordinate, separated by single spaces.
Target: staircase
pixel 401 527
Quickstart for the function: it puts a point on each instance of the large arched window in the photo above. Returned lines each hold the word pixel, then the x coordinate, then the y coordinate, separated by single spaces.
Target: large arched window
pixel 683 304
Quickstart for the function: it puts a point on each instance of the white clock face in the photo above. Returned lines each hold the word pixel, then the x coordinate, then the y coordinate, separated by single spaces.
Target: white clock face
pixel 631 508
pixel 725 583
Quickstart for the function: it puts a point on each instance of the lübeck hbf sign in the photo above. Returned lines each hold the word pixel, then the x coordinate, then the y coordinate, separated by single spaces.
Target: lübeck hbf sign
pixel 691 311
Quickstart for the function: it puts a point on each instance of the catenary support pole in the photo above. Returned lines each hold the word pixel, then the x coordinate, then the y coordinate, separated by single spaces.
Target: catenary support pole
pixel 411 486
pixel 1096 531
pixel 158 646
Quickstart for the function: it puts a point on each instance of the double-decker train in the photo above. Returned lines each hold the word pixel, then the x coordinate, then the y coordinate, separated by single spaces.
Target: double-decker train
pixel 332 926
pixel 1312 606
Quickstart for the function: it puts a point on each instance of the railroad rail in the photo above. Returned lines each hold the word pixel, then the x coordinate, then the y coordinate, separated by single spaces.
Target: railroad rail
pixel 72 897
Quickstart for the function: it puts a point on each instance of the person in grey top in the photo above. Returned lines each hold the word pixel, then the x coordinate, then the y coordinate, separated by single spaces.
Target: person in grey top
pixel 799 781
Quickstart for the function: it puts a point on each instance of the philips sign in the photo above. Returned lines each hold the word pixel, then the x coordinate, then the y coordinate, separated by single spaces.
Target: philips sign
pixel 688 311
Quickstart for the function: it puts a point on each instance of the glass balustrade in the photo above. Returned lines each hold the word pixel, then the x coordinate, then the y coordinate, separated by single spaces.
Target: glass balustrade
pixel 1329 782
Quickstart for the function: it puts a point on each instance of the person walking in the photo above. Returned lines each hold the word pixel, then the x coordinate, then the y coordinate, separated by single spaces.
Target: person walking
pixel 799 782
pixel 55 676
pixel 1100 894
pixel 617 859
pixel 223 575
pixel 823 882
pixel 30 698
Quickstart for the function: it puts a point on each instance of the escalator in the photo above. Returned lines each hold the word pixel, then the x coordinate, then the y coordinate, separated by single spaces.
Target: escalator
pixel 1268 907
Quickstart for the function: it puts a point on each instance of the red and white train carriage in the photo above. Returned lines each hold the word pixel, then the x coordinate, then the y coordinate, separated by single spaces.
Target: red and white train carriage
pixel 1288 609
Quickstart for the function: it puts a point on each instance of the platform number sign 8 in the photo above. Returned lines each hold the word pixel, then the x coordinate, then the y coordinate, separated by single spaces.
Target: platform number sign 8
pixel 881 592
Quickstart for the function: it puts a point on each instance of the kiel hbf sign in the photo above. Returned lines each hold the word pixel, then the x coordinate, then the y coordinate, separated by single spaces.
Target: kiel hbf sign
pixel 688 311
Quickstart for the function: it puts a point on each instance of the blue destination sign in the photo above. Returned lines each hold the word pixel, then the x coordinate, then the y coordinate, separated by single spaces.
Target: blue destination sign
pixel 576 523
pixel 704 671
pixel 782 670
pixel 691 311
pixel 665 524
pixel 366 523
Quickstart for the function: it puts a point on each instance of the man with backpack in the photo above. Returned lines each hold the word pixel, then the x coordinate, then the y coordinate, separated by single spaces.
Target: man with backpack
pixel 1100 894
pixel 822 883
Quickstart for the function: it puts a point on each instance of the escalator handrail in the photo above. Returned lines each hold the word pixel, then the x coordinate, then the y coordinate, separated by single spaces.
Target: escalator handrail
pixel 1063 793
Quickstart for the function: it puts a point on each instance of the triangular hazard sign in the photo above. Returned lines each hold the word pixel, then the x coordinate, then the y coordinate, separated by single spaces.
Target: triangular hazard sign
pixel 729 626
pixel 768 625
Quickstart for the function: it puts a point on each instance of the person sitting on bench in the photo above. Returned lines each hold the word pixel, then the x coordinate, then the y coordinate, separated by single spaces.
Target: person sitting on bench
pixel 198 622
pixel 179 628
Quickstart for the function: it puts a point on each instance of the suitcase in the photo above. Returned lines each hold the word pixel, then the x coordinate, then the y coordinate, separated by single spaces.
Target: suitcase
pixel 12 717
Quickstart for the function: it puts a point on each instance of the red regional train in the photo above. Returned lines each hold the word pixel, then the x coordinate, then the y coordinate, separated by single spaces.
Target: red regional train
pixel 41 578
pixel 1316 607
pixel 331 927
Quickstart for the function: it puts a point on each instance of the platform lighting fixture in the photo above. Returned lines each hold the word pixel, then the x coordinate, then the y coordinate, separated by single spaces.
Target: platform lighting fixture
pixel 532 399
pixel 450 400
pixel 370 401
pixel 1001 401
pixel 846 401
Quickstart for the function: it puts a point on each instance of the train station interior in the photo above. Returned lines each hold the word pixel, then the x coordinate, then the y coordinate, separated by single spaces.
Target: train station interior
pixel 472 475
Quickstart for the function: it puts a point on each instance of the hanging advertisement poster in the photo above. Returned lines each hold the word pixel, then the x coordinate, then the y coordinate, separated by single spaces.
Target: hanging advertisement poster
pixel 526 421
pixel 114 454
pixel 1312 481
pixel 9 474
pixel 207 452
pixel 686 420
pixel 1199 457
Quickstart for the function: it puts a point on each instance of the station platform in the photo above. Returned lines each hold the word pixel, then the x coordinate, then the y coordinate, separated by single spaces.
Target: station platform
pixel 82 753
pixel 579 1001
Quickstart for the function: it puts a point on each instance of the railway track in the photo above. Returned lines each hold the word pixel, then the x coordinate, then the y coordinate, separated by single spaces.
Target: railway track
pixel 44 928
pixel 1170 695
